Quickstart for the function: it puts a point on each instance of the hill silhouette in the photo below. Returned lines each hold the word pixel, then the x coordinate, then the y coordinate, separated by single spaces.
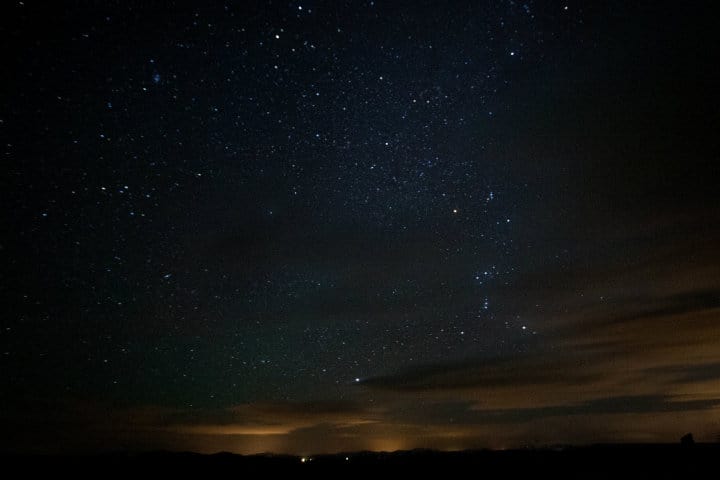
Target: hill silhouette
pixel 599 461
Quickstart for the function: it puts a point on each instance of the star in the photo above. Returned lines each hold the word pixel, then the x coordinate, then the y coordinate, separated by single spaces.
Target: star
pixel 199 215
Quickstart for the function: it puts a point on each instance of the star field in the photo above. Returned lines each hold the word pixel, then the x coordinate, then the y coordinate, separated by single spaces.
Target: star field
pixel 288 222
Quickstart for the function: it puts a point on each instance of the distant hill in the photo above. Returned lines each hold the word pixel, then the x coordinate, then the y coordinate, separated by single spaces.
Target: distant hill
pixel 600 461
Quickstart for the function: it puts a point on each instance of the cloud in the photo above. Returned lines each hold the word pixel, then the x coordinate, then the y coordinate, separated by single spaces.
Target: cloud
pixel 681 374
pixel 530 369
pixel 279 418
pixel 637 404
pixel 626 350
pixel 590 354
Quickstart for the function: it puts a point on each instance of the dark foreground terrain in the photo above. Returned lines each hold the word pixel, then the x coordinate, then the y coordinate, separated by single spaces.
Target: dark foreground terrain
pixel 605 461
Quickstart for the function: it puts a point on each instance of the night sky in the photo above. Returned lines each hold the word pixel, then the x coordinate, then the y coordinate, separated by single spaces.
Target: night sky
pixel 340 225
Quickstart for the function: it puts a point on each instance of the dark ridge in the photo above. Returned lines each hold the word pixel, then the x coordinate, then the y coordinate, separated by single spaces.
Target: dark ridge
pixel 597 461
